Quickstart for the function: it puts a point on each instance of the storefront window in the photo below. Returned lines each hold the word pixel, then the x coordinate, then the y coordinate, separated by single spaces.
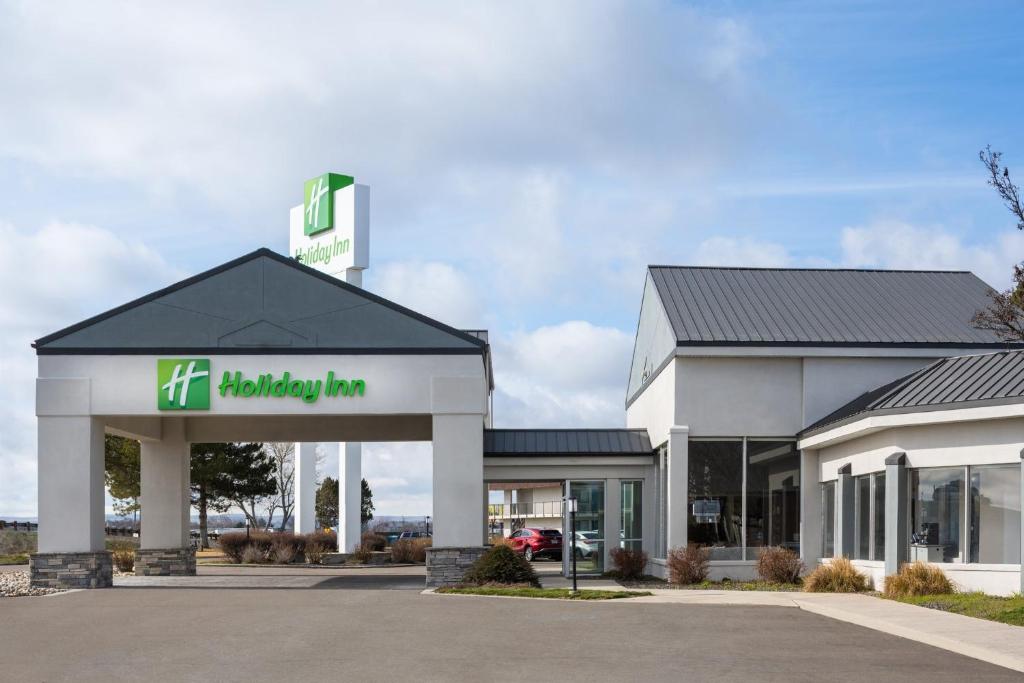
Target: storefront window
pixel 589 525
pixel 879 516
pixel 936 514
pixel 862 518
pixel 995 514
pixel 631 520
pixel 715 508
pixel 773 495
pixel 828 519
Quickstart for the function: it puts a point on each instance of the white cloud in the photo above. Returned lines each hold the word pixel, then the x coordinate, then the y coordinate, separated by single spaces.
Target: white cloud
pixel 437 290
pixel 741 251
pixel 566 375
pixel 897 244
pixel 50 278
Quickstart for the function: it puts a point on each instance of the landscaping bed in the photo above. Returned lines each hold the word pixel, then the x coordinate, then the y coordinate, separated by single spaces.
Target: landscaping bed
pixel 18 558
pixel 708 585
pixel 1006 610
pixel 549 593
pixel 16 585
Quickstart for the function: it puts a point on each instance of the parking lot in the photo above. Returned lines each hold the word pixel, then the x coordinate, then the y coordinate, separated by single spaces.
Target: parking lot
pixel 254 624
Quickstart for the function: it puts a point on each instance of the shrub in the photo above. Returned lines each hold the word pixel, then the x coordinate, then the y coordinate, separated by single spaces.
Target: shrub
pixel 402 551
pixel 838 576
pixel 251 554
pixel 374 541
pixel 123 555
pixel 283 553
pixel 419 546
pixel 630 564
pixel 315 551
pixel 501 565
pixel 362 554
pixel 17 542
pixel 233 545
pixel 918 578
pixel 688 565
pixel 287 547
pixel 263 545
pixel 498 539
pixel 779 565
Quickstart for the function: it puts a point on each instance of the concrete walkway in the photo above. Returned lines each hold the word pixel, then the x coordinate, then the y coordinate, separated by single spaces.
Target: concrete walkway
pixel 988 641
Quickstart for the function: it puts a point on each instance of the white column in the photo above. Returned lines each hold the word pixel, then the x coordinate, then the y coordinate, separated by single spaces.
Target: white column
pixel 810 509
pixel 458 443
pixel 677 489
pixel 70 462
pixel 165 500
pixel 305 488
pixel 350 496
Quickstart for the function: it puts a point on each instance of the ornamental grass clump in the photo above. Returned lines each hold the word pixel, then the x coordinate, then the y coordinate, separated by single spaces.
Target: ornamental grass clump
pixel 688 565
pixel 501 566
pixel 779 565
pixel 629 564
pixel 837 576
pixel 374 541
pixel 233 545
pixel 918 578
pixel 123 556
pixel 361 555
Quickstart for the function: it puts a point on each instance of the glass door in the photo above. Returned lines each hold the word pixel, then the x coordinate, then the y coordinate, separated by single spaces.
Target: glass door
pixel 590 537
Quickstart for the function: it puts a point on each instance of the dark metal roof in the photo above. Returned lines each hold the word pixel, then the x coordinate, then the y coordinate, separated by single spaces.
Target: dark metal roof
pixel 822 307
pixel 262 302
pixel 527 442
pixel 956 382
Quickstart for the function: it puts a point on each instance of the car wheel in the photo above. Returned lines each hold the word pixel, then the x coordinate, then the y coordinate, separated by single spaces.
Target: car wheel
pixel 528 554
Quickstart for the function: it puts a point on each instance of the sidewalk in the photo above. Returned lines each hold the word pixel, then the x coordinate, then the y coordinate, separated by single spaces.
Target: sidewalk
pixel 988 641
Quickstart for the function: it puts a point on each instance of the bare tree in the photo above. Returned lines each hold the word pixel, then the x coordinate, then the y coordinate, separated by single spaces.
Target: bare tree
pixel 283 455
pixel 1005 315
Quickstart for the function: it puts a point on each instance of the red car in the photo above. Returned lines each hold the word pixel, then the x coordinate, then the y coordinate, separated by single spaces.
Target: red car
pixel 537 543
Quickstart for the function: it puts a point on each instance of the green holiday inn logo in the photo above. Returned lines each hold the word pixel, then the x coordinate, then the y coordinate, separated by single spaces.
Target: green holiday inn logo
pixel 318 201
pixel 183 383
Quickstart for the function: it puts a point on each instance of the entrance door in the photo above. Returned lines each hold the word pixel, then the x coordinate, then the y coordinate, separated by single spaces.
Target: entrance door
pixel 590 532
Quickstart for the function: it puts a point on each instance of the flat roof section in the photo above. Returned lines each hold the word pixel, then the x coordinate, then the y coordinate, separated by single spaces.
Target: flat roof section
pixel 562 442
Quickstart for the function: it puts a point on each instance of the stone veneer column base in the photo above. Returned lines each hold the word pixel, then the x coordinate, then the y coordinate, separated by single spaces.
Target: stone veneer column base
pixel 72 570
pixel 447 566
pixel 165 562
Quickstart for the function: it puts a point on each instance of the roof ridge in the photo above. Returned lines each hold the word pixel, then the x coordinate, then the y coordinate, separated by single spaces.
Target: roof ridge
pixel 813 269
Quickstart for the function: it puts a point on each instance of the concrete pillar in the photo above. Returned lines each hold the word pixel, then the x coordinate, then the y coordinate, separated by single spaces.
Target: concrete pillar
pixel 350 495
pixel 810 509
pixel 677 491
pixel 305 488
pixel 165 501
pixel 897 545
pixel 845 513
pixel 71 518
pixel 458 480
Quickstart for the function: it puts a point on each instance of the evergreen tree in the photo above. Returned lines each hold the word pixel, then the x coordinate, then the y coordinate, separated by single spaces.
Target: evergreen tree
pixel 122 473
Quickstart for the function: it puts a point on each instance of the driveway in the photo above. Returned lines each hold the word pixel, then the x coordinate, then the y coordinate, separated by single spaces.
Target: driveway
pixel 242 624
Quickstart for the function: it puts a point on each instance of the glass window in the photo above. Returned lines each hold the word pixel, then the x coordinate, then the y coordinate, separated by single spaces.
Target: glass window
pixel 995 514
pixel 828 519
pixel 715 516
pixel 936 514
pixel 773 495
pixel 631 520
pixel 862 518
pixel 879 513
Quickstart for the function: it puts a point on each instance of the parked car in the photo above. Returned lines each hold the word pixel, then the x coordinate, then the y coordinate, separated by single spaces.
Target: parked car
pixel 537 543
pixel 414 534
pixel 585 544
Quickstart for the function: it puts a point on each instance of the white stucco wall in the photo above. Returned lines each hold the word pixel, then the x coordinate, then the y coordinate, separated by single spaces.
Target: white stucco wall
pixel 653 410
pixel 830 383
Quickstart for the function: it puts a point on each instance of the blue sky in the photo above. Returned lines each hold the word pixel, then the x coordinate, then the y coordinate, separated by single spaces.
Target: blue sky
pixel 526 161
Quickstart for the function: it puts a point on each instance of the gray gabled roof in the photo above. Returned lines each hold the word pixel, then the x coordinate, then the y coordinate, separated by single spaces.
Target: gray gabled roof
pixel 529 442
pixel 822 307
pixel 956 382
pixel 259 303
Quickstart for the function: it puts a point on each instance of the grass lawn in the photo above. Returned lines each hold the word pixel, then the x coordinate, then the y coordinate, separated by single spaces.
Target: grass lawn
pixel 555 593
pixel 654 582
pixel 14 559
pixel 994 608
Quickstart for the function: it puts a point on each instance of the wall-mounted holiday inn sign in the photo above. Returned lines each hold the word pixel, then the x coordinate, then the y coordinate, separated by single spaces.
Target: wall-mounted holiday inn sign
pixel 184 384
